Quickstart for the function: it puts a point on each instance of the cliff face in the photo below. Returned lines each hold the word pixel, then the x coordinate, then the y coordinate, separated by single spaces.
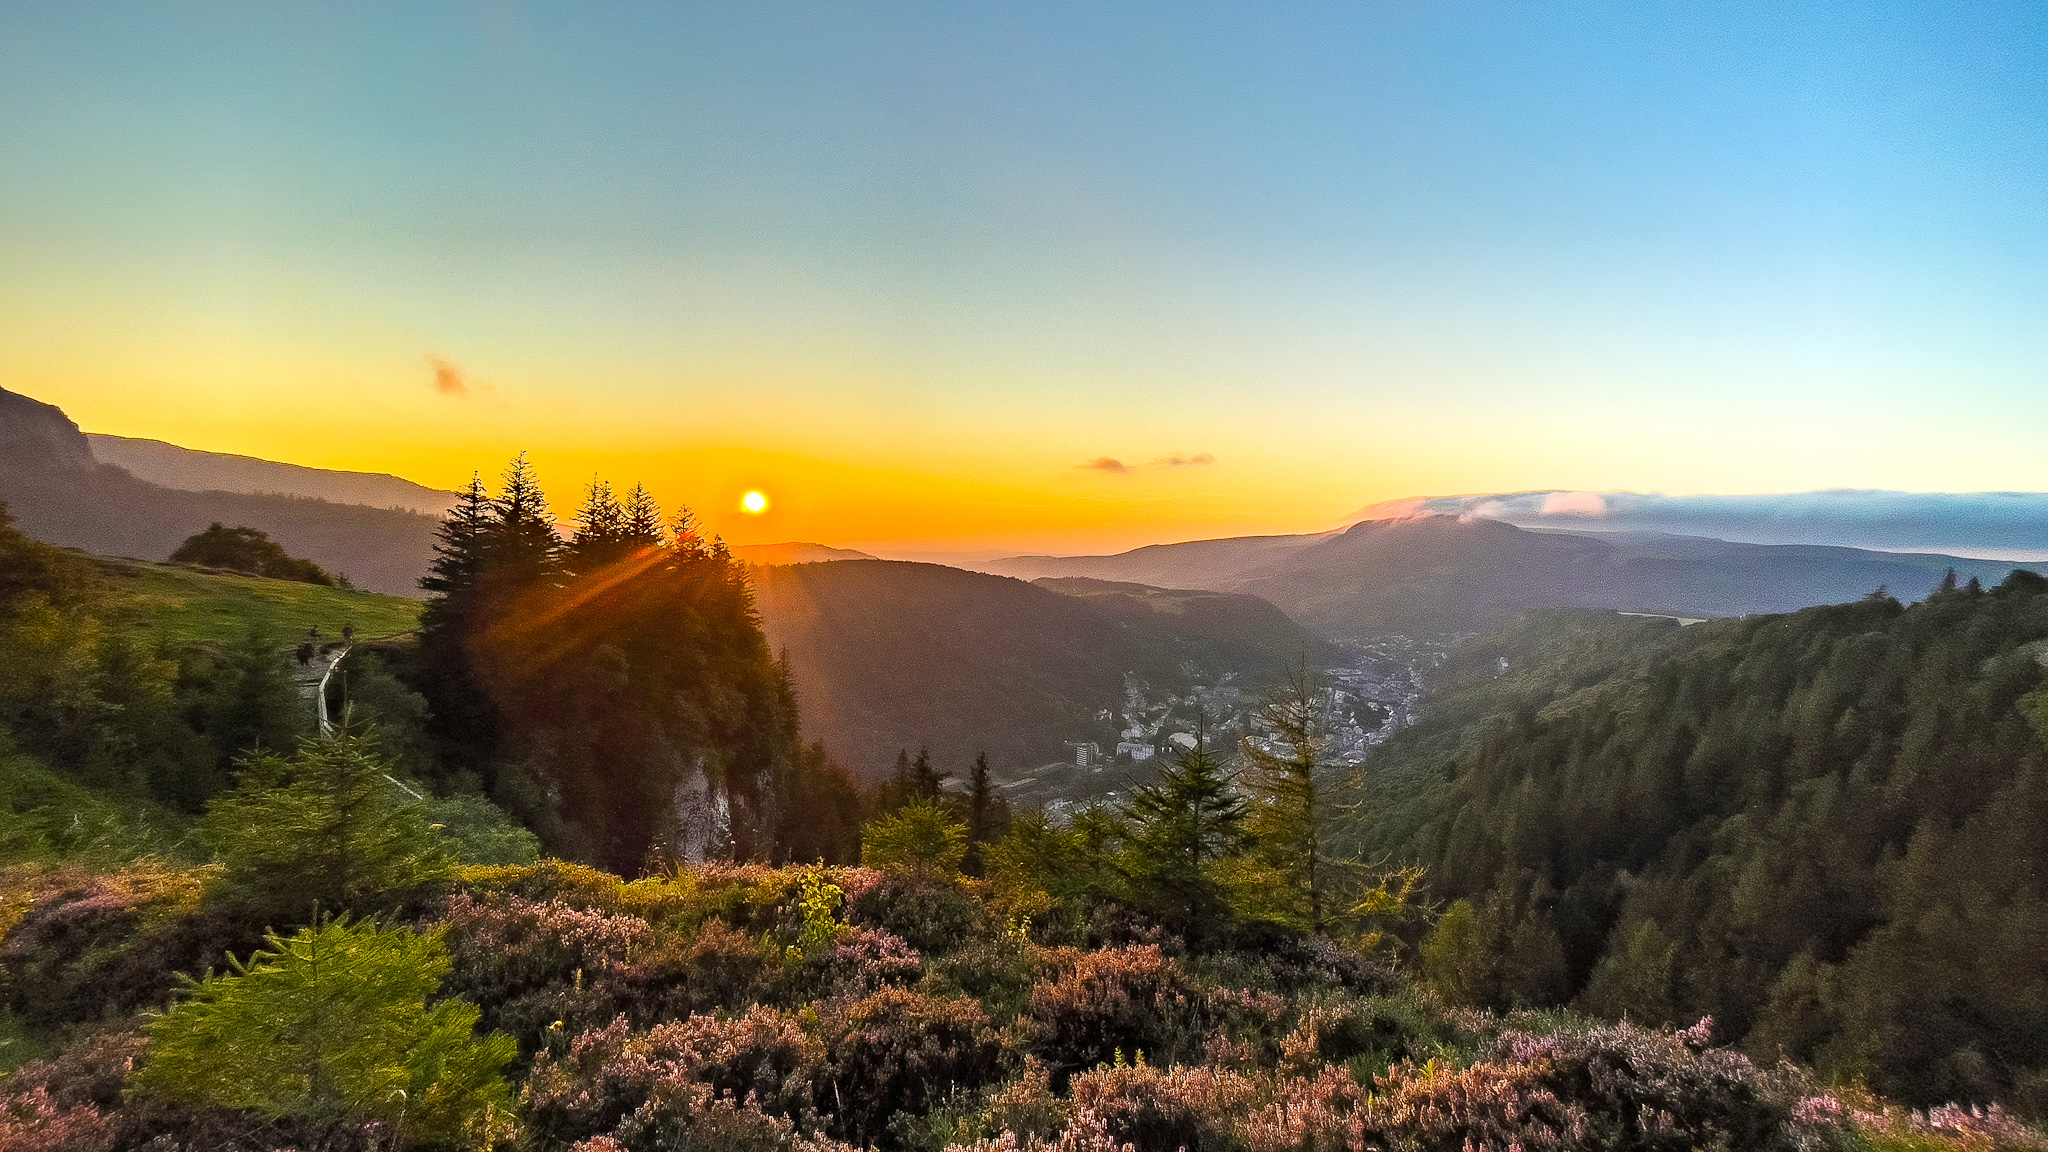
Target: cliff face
pixel 38 435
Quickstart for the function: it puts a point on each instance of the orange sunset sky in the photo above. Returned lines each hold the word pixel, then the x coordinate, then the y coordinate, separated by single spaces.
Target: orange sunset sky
pixel 960 279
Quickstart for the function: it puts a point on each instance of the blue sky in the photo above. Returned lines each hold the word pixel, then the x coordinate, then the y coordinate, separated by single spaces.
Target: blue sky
pixel 910 264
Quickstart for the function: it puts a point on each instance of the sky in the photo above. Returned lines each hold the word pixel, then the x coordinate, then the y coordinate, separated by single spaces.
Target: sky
pixel 1044 277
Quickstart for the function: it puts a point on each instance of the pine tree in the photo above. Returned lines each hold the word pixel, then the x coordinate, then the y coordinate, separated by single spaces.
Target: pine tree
pixel 641 526
pixel 1288 820
pixel 524 549
pixel 459 546
pixel 980 814
pixel 329 1029
pixel 600 531
pixel 1182 824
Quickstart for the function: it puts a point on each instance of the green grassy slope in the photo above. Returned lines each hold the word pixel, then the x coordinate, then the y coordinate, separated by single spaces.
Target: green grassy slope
pixel 192 605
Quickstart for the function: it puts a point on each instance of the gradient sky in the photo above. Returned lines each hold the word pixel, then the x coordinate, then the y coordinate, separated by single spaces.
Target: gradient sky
pixel 907 268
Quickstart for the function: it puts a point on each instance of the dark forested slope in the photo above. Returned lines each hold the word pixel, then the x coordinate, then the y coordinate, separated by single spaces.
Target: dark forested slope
pixel 1826 829
pixel 889 654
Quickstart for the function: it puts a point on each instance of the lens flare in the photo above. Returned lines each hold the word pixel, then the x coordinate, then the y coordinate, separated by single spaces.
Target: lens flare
pixel 754 503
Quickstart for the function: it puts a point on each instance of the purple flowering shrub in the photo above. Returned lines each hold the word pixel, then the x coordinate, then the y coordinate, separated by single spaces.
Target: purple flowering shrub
pixel 1126 1000
pixel 763 1058
pixel 901 1051
pixel 92 945
pixel 935 917
pixel 1196 1107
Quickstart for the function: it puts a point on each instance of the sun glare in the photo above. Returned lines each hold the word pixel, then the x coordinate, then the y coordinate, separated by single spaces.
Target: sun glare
pixel 754 503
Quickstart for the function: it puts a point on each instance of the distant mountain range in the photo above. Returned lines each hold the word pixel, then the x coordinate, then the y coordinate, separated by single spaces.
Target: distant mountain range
pixel 60 492
pixel 795 552
pixel 191 470
pixel 890 655
pixel 1993 525
pixel 1437 574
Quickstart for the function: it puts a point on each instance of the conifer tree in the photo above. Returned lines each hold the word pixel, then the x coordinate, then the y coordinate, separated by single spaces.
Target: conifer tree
pixel 1182 824
pixel 685 536
pixel 1288 819
pixel 459 547
pixel 329 826
pixel 600 530
pixel 329 1029
pixel 524 549
pixel 641 526
pixel 980 814
pixel 926 782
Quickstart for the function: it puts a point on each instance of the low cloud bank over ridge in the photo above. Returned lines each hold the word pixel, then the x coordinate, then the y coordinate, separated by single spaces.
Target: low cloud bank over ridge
pixel 1994 525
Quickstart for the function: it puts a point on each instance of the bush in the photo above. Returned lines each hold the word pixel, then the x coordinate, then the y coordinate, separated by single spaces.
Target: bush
pixel 935 918
pixel 1160 1110
pixel 919 840
pixel 612 1081
pixel 89 946
pixel 898 1051
pixel 331 1026
pixel 1128 1001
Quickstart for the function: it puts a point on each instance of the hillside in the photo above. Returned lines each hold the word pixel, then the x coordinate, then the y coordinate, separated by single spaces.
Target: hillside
pixel 1441 574
pixel 795 552
pixel 890 655
pixel 1823 829
pixel 190 605
pixel 59 493
pixel 192 470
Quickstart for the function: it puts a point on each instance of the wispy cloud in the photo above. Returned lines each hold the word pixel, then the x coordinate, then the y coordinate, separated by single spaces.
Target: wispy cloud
pixel 449 378
pixel 1113 465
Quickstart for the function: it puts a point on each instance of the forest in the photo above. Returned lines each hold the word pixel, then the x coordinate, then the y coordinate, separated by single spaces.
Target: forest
pixel 567 876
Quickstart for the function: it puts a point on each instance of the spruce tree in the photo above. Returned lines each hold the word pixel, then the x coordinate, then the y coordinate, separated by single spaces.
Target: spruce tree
pixel 1183 823
pixel 641 526
pixel 1288 818
pixel 462 720
pixel 328 1030
pixel 926 782
pixel 524 549
pixel 329 826
pixel 980 814
pixel 459 548
pixel 600 531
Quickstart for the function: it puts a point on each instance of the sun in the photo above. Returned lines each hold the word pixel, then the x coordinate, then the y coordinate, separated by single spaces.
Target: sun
pixel 754 503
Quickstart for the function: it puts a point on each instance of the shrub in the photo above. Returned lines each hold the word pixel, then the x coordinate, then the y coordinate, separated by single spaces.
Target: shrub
pixel 862 961
pixel 934 917
pixel 1129 1000
pixel 920 840
pixel 1160 1110
pixel 898 1051
pixel 610 1075
pixel 1638 1088
pixel 332 1026
pixel 88 946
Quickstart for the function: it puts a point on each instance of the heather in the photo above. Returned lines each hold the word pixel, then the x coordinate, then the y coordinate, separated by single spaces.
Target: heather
pixel 553 1006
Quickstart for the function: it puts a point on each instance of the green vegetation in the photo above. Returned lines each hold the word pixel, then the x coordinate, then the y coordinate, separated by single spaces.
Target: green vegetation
pixel 330 1028
pixel 1819 830
pixel 250 552
pixel 1822 829
pixel 183 606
